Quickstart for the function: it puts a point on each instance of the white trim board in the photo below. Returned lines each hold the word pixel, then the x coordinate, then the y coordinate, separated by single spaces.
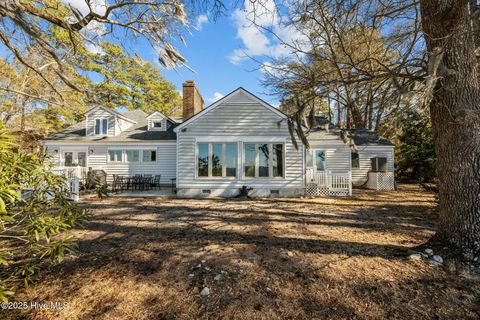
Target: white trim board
pixel 101 143
pixel 258 139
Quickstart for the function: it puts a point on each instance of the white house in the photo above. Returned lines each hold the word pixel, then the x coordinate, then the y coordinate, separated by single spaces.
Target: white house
pixel 238 141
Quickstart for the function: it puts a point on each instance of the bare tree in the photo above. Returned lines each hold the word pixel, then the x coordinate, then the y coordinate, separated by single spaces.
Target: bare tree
pixel 55 28
pixel 455 115
pixel 433 64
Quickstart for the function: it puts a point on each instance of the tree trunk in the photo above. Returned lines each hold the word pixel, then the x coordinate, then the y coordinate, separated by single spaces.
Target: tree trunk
pixel 475 21
pixel 455 112
pixel 22 116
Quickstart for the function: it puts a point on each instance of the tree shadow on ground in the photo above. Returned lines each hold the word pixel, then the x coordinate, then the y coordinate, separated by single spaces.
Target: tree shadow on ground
pixel 150 260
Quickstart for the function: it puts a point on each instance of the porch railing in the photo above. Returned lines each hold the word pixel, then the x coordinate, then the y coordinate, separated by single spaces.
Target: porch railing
pixel 69 172
pixel 73 176
pixel 328 183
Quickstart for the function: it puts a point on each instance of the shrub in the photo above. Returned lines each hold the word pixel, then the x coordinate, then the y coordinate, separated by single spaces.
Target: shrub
pixel 35 214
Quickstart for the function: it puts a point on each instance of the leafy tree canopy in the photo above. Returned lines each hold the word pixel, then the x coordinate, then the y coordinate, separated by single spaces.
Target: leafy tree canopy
pixel 130 82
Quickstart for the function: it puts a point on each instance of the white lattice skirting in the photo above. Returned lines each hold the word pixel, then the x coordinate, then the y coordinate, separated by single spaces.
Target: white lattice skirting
pixel 312 189
pixel 384 181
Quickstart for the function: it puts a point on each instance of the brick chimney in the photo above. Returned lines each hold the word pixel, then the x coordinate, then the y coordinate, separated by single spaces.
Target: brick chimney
pixel 192 99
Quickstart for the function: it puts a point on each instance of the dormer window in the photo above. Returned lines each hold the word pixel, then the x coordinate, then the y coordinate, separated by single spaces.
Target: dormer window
pixel 157 122
pixel 101 126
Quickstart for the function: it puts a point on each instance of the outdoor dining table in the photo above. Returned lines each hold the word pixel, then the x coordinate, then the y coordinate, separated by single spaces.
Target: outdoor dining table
pixel 137 181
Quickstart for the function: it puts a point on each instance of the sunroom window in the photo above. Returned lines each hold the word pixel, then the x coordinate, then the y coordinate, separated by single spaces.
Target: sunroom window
pixel 132 155
pixel 216 159
pixel 149 155
pixel 115 155
pixel 263 160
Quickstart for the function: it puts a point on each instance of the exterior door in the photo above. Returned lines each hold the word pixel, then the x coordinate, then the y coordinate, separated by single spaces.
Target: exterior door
pixel 316 160
pixel 320 160
pixel 75 158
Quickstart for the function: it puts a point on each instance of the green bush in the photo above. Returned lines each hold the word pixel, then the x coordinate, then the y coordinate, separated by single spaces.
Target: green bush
pixel 416 157
pixel 35 215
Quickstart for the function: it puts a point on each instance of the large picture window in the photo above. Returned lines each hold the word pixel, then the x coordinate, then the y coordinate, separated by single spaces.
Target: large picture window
pixel 217 160
pixel 249 152
pixel 263 160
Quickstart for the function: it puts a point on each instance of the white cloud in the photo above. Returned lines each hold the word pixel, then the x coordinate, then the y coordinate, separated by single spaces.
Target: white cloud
pixel 93 48
pixel 201 20
pixel 256 26
pixel 98 6
pixel 216 96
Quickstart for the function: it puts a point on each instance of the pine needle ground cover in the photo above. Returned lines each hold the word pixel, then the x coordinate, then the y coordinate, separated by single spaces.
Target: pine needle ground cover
pixel 323 258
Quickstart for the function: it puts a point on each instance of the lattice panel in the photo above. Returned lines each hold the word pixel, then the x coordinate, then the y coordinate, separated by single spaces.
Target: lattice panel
pixel 385 181
pixel 338 192
pixel 312 189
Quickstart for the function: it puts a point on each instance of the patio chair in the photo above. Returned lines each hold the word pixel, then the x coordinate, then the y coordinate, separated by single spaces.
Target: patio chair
pixel 156 182
pixel 121 183
pixel 114 187
pixel 137 182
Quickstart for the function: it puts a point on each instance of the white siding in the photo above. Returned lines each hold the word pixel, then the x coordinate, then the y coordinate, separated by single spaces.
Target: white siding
pixel 122 125
pixel 165 164
pixel 56 152
pixel 238 118
pixel 103 114
pixel 337 152
pixel 360 175
pixel 157 118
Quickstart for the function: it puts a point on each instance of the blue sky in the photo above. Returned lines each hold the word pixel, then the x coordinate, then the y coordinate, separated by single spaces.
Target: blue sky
pixel 209 52
pixel 216 49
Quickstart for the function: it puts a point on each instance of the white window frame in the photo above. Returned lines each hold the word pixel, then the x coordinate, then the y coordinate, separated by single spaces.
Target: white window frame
pixel 74 156
pixel 126 155
pixel 115 156
pixel 270 161
pixel 351 159
pixel 100 127
pixel 224 159
pixel 314 161
pixel 150 161
pixel 376 163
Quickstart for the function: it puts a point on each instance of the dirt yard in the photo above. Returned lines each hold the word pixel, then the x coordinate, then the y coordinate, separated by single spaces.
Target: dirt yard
pixel 324 258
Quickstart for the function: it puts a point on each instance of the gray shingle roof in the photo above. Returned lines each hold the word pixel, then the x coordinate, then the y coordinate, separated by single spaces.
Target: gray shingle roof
pixel 138 132
pixel 360 137
pixel 365 137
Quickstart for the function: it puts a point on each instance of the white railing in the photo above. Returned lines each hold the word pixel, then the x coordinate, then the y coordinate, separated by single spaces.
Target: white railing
pixel 331 183
pixel 73 176
pixel 69 172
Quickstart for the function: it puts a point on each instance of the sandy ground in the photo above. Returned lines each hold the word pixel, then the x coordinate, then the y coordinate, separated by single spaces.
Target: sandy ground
pixel 323 258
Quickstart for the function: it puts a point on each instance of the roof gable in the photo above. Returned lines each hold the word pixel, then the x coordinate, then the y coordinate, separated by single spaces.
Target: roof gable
pixel 109 110
pixel 157 115
pixel 250 96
